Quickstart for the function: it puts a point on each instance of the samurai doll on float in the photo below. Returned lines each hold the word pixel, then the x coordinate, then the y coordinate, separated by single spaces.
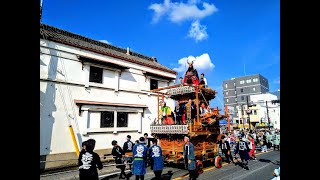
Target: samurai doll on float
pixel 191 75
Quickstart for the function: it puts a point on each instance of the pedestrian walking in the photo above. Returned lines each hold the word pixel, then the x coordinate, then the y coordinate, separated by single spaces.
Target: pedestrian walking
pixel 88 162
pixel 155 153
pixel 242 150
pixel 139 159
pixel 117 154
pixel 189 158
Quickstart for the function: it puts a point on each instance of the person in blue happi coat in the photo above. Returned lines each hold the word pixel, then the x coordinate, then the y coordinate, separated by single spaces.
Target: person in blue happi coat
pixel 242 149
pixel 139 159
pixel 189 158
pixel 155 153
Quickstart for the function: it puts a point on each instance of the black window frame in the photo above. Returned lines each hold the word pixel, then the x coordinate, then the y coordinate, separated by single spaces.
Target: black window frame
pixel 103 120
pixel 125 116
pixel 92 78
pixel 152 82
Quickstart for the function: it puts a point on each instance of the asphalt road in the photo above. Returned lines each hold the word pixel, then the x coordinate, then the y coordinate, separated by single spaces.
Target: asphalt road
pixel 258 170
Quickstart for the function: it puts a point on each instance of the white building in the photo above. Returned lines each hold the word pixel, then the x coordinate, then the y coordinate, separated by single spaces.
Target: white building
pixel 265 108
pixel 260 111
pixel 101 90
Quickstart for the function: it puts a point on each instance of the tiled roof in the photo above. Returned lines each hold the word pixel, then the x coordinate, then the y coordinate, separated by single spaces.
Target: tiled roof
pixel 65 37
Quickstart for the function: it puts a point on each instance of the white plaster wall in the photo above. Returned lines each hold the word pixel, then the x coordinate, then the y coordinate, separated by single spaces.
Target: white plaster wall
pixel 108 78
pixel 58 107
pixel 130 81
pixel 94 119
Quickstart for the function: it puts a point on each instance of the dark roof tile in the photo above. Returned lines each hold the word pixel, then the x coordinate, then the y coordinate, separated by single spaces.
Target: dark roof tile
pixel 65 37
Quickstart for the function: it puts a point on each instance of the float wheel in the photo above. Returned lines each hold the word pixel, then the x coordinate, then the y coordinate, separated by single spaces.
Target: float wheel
pixel 218 162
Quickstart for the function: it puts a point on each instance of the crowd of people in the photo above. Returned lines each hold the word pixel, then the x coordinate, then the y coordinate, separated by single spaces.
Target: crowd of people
pixel 244 143
pixel 146 152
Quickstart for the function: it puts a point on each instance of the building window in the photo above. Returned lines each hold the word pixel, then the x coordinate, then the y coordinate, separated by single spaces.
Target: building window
pixel 242 82
pixel 227 93
pixel 122 119
pixel 227 100
pixel 255 80
pixel 254 89
pixel 242 98
pixel 235 99
pixel 255 112
pixel 248 80
pixel 153 84
pixel 95 74
pixel 237 121
pixel 275 122
pixel 107 119
pixel 274 110
pixel 241 90
pixel 235 92
pixel 226 85
pixel 234 84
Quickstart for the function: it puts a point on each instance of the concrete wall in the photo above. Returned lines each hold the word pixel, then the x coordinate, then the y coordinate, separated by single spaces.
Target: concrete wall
pixel 63 79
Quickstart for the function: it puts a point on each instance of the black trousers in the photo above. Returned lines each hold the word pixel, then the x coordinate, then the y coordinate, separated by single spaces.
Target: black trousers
pixel 193 175
pixel 158 174
pixel 139 177
pixel 228 157
pixel 179 119
pixel 269 144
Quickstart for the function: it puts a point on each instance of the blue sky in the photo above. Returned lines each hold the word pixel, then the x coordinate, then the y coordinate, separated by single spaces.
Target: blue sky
pixel 228 38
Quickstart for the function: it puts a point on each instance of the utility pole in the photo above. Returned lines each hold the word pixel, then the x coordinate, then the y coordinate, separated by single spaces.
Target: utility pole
pixel 242 114
pixel 248 112
pixel 227 113
pixel 268 114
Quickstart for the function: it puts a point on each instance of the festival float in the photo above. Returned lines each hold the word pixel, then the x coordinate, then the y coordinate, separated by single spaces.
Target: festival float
pixel 204 132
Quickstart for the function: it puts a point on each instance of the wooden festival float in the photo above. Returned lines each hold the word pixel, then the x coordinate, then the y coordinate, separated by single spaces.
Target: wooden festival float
pixel 204 139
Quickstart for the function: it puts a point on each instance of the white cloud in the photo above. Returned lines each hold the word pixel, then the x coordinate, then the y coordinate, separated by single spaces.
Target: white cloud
pixel 178 12
pixel 198 31
pixel 105 41
pixel 201 63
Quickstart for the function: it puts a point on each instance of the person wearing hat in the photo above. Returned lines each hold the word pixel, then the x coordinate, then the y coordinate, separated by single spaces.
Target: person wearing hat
pixel 139 159
pixel 155 155
pixel 191 76
pixel 117 154
pixel 242 150
pixel 127 148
